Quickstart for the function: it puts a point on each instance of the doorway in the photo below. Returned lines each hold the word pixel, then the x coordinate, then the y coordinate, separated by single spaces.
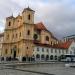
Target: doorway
pixel 14 55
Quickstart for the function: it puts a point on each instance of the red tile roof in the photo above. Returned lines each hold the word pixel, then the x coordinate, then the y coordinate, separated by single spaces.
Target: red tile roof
pixel 40 26
pixel 64 45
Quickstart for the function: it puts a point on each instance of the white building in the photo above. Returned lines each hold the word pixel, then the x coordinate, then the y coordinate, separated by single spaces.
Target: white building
pixel 44 52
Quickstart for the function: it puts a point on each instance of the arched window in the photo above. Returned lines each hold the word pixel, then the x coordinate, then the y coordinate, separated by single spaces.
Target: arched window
pixel 29 17
pixel 55 57
pixel 28 32
pixel 37 56
pixel 35 36
pixel 47 38
pixel 47 57
pixel 42 56
pixel 51 57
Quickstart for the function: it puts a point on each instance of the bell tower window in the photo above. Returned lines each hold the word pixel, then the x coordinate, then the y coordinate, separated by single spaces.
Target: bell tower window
pixel 29 17
pixel 9 24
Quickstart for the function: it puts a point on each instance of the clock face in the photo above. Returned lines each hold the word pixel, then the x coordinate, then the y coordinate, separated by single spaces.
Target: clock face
pixel 35 36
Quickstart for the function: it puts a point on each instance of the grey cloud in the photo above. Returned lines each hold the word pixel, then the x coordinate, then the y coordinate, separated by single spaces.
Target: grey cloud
pixel 60 19
pixel 58 15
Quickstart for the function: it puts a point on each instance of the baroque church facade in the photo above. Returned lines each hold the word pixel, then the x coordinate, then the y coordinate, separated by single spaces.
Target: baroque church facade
pixel 21 36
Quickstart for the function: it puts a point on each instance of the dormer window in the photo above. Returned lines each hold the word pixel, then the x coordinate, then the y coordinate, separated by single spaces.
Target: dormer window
pixel 9 24
pixel 47 38
pixel 29 17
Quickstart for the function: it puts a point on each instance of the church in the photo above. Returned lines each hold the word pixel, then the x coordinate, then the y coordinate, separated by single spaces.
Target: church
pixel 21 36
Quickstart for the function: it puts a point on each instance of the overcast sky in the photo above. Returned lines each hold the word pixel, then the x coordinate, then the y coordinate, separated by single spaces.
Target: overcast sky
pixel 57 15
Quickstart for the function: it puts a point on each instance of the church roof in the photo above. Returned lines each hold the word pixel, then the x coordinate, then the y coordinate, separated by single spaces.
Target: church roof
pixel 19 16
pixel 64 45
pixel 10 17
pixel 40 26
pixel 28 9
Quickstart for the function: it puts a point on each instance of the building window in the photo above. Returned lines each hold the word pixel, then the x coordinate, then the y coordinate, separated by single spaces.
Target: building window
pixel 37 56
pixel 51 50
pixel 55 51
pixel 29 17
pixel 16 35
pixel 35 36
pixel 47 57
pixel 42 49
pixel 70 52
pixel 11 51
pixel 51 57
pixel 6 51
pixel 28 32
pixel 55 57
pixel 47 38
pixel 51 43
pixel 27 47
pixel 47 50
pixel 37 49
pixel 9 24
pixel 20 34
pixel 42 57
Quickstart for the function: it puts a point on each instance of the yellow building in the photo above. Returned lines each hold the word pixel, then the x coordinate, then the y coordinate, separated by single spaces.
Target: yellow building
pixel 1 42
pixel 21 33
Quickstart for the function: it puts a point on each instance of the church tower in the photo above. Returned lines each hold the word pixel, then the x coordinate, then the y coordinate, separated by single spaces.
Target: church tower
pixel 28 15
pixel 28 23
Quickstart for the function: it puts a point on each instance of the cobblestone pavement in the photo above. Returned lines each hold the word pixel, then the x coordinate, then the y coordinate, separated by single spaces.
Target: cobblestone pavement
pixel 39 69
pixel 15 72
